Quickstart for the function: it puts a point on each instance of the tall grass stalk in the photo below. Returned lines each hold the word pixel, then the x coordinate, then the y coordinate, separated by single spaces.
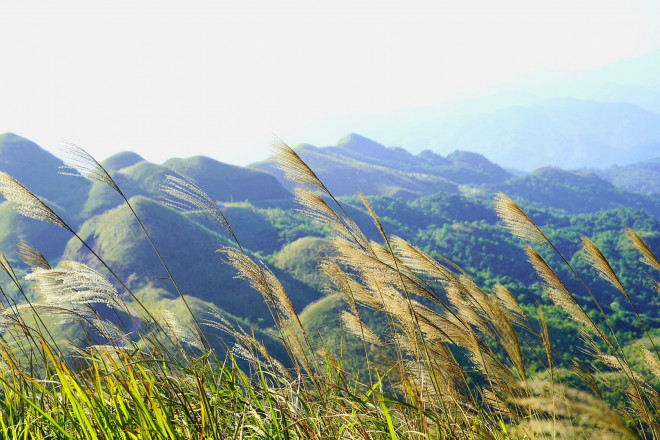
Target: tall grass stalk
pixel 452 362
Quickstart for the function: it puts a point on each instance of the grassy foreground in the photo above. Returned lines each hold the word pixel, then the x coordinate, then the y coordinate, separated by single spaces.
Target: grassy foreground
pixel 450 361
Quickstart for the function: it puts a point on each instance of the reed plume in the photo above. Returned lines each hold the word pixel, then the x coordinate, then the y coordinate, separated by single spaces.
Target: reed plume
pixel 31 256
pixel 517 222
pixel 78 160
pixel 187 196
pixel 648 257
pixel 28 204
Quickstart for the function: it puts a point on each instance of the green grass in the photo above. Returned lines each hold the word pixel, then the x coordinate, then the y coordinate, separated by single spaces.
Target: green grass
pixel 439 355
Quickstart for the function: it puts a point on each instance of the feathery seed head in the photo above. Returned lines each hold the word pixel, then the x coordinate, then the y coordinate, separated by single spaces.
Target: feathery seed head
pixel 295 169
pixel 516 221
pixel 78 160
pixel 597 260
pixel 26 203
pixel 72 283
pixel 187 196
pixel 356 327
pixel 183 331
pixel 316 208
pixel 31 256
pixel 544 271
pixel 648 257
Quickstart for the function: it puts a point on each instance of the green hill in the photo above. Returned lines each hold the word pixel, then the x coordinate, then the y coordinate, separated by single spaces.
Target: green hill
pixel 190 250
pixel 140 179
pixel 121 160
pixel 301 258
pixel 226 183
pixel 574 192
pixel 345 174
pixel 223 182
pixel 38 170
pixel 48 238
pixel 642 177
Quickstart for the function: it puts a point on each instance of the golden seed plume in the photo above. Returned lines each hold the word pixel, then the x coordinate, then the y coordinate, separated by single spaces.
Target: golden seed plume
pixel 544 271
pixel 578 409
pixel 561 296
pixel 597 260
pixel 545 336
pixel 357 328
pixel 516 221
pixel 373 215
pixel 262 280
pixel 316 208
pixel 8 269
pixel 648 257
pixel 26 203
pixel 582 371
pixel 295 169
pixel 651 361
pixel 513 310
pixel 31 256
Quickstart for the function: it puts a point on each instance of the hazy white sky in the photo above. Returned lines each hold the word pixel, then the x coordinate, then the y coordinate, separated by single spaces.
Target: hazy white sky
pixel 220 78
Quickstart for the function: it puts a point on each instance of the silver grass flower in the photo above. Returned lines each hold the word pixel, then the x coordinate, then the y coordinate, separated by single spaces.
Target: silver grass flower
pixel 294 168
pixel 26 203
pixel 78 160
pixel 188 197
pixel 183 331
pixel 72 283
pixel 8 269
pixel 65 314
pixel 516 221
pixel 648 257
pixel 597 260
pixel 356 327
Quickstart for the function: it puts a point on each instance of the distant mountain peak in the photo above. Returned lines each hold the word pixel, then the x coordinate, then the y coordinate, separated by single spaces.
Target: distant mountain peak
pixel 354 138
pixel 15 144
pixel 11 137
pixel 121 160
pixel 361 145
pixel 467 157
pixel 560 174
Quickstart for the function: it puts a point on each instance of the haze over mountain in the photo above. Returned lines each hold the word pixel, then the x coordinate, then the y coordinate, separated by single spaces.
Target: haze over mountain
pixel 591 119
pixel 360 163
pixel 642 177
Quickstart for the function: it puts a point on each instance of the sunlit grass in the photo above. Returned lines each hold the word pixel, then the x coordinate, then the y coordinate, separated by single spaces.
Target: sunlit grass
pixel 452 360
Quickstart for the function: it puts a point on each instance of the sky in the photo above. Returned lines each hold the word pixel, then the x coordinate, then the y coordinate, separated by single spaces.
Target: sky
pixel 223 78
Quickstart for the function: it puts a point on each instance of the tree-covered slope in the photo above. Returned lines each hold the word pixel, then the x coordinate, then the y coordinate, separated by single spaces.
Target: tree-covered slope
pixel 642 177
pixel 573 192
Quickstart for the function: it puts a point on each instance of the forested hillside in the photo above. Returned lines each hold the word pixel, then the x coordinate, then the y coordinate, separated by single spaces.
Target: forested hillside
pixel 309 262
pixel 440 204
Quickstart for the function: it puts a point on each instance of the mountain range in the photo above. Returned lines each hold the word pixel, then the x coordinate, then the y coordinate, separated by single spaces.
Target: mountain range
pixel 440 203
pixel 591 119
